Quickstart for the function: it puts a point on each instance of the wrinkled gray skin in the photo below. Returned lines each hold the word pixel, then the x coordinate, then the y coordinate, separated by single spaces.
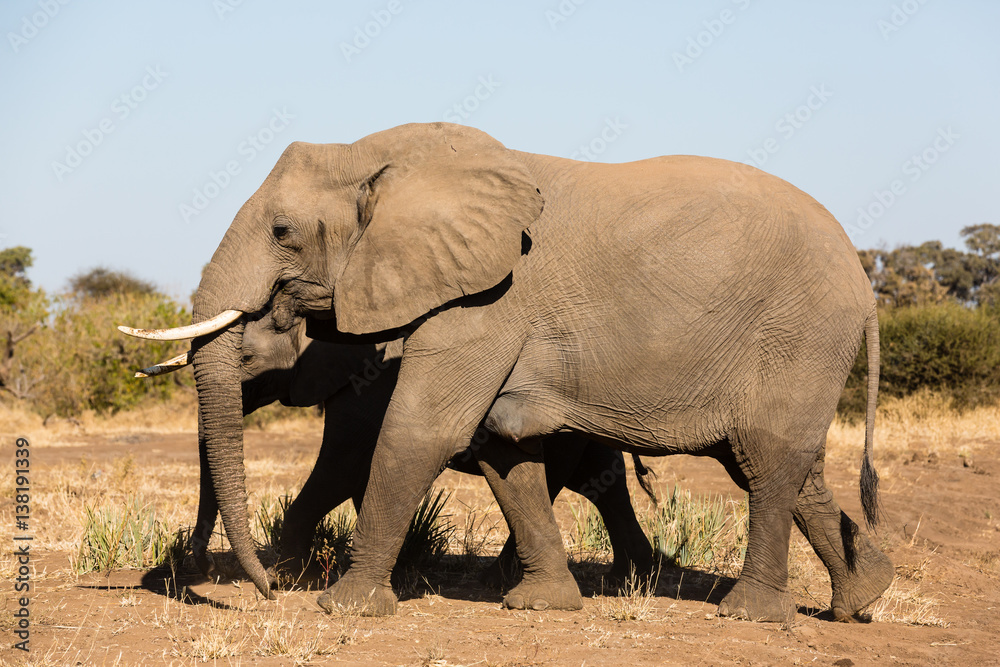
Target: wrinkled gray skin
pixel 355 383
pixel 673 305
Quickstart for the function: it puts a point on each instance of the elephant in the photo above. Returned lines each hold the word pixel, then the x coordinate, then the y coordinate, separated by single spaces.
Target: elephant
pixel 354 383
pixel 678 304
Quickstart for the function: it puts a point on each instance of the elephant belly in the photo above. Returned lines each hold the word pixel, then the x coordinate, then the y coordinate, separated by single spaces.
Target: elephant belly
pixel 658 409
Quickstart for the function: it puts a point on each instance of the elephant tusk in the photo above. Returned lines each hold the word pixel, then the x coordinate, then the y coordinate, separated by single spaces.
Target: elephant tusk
pixel 168 366
pixel 190 331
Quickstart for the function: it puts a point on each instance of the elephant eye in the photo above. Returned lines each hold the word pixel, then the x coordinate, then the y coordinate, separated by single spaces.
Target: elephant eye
pixel 247 359
pixel 280 229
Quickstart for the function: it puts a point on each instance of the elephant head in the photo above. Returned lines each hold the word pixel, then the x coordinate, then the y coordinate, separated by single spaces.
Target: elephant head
pixel 374 234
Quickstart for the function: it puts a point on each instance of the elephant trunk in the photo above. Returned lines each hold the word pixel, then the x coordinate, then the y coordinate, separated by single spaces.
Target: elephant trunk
pixel 220 433
pixel 228 282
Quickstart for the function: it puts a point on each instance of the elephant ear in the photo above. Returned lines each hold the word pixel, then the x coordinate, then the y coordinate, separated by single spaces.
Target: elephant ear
pixel 442 218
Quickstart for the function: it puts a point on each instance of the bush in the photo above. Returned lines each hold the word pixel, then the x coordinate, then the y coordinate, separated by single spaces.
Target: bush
pixel 80 361
pixel 946 348
pixel 126 536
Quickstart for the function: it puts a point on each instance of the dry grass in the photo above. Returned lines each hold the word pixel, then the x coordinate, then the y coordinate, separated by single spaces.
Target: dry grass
pixel 903 603
pixel 636 602
pixel 922 423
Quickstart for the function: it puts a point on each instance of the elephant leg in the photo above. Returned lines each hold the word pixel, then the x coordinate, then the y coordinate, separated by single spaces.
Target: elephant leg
pixel 438 402
pixel 563 453
pixel 772 467
pixel 208 511
pixel 859 571
pixel 350 431
pixel 517 477
pixel 601 477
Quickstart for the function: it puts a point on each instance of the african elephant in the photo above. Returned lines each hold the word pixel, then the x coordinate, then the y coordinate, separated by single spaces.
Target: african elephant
pixel 673 305
pixel 355 383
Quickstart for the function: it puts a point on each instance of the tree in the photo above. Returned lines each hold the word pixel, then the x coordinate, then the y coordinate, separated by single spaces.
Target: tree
pixel 102 282
pixel 22 312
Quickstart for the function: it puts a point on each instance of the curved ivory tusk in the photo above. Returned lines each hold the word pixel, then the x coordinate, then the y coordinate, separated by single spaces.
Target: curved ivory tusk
pixel 189 331
pixel 168 366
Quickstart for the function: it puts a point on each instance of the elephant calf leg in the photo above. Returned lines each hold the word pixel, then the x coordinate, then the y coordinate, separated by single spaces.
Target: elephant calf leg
pixel 517 479
pixel 859 571
pixel 601 477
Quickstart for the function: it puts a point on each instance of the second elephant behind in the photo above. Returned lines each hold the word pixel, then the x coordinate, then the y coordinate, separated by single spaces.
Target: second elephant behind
pixel 354 383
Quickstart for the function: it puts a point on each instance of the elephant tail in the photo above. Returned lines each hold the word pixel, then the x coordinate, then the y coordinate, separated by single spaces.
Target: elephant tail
pixel 645 476
pixel 869 478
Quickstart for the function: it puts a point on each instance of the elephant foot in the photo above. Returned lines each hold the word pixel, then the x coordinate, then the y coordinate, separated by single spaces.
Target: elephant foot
pixel 755 602
pixel 872 574
pixel 352 595
pixel 562 594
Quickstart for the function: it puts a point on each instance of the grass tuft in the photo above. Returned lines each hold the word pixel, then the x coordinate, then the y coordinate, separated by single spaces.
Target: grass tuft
pixel 698 531
pixel 126 536
pixel 905 605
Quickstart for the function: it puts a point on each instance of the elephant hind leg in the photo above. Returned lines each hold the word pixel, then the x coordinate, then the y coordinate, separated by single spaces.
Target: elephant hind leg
pixel 859 571
pixel 771 465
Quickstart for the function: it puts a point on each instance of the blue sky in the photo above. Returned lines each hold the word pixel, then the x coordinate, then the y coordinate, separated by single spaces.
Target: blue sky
pixel 122 118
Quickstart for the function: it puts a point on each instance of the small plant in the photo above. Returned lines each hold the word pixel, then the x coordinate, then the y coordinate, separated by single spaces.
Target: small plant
pixel 332 542
pixel 270 517
pixel 589 532
pixel 125 536
pixel 427 537
pixel 634 603
pixel 694 531
pixel 908 606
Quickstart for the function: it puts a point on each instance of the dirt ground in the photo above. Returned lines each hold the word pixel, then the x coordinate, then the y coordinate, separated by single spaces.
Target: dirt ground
pixel 942 533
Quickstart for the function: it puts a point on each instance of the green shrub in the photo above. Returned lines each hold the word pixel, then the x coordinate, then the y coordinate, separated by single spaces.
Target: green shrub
pixel 589 532
pixel 80 361
pixel 126 536
pixel 946 348
pixel 697 531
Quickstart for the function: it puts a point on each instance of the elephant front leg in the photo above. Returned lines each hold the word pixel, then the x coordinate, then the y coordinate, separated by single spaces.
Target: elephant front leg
pixel 859 571
pixel 518 481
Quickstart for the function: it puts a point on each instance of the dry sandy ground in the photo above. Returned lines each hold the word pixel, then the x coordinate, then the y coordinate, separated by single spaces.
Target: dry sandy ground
pixel 943 534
